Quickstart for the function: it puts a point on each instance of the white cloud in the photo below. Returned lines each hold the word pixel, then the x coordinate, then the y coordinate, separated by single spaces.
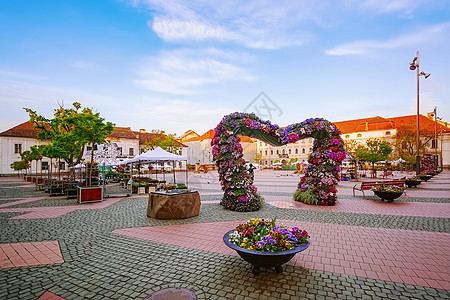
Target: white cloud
pixel 186 71
pixel 178 30
pixel 428 34
pixel 258 24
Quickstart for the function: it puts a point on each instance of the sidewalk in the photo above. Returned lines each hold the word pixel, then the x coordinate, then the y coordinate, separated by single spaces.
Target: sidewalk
pixel 361 248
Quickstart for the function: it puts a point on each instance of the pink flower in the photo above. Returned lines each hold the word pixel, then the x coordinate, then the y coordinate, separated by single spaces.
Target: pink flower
pixel 293 137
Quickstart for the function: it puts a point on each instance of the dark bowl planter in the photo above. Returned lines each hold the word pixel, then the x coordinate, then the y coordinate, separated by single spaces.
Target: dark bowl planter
pixel 260 259
pixel 425 177
pixel 412 183
pixel 388 196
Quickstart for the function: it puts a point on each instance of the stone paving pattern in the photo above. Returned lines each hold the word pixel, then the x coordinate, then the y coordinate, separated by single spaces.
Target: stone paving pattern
pixel 361 248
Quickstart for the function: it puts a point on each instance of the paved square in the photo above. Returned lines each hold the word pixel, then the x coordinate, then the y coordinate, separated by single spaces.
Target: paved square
pixel 362 248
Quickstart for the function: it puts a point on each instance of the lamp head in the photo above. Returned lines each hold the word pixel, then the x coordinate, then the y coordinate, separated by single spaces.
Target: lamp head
pixel 425 74
pixel 413 65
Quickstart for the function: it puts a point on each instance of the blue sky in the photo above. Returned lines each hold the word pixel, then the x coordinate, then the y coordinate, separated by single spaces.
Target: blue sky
pixel 179 65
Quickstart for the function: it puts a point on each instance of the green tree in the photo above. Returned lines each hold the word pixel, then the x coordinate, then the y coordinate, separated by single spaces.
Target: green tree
pixel 70 131
pixel 406 141
pixel 19 166
pixel 375 151
pixel 166 142
pixel 258 158
pixel 25 157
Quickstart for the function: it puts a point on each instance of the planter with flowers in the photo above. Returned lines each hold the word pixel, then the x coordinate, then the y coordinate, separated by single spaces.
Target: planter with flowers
pixel 413 181
pixel 388 192
pixel 264 244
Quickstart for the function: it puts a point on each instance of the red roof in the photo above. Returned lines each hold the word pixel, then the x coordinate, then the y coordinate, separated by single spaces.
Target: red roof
pixel 209 135
pixel 122 132
pixel 25 130
pixel 426 125
pixel 367 124
pixel 145 137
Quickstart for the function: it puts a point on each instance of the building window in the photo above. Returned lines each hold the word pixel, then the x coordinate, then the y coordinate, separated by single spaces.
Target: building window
pixel 120 150
pixel 62 165
pixel 265 162
pixel 289 151
pixel 347 136
pixel 260 143
pixel 284 152
pixel 434 143
pixel 388 133
pixel 296 151
pixel 303 150
pixel 359 135
pixel 271 152
pixel 17 148
pixel 260 152
pixel 44 165
pixel 131 152
pixel 266 152
pixel 278 152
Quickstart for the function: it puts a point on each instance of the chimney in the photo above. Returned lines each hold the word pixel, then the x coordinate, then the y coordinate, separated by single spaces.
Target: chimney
pixel 163 132
pixel 141 130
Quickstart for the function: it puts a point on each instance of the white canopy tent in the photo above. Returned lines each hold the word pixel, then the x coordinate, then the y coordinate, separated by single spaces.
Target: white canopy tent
pixel 159 155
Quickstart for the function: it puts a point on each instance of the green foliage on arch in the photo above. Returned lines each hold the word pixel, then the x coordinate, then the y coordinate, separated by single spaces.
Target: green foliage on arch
pixel 316 187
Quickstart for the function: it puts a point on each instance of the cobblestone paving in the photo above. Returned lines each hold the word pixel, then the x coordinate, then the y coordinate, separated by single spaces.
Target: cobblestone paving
pixel 102 265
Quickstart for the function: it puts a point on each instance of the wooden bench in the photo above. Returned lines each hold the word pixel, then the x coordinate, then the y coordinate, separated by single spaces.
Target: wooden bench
pixel 387 173
pixel 367 185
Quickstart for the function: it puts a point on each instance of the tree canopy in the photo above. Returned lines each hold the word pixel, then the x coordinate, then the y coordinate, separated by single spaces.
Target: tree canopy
pixel 374 151
pixel 70 130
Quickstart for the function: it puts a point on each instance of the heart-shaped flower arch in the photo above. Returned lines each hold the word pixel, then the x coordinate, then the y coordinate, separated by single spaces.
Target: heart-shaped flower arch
pixel 316 187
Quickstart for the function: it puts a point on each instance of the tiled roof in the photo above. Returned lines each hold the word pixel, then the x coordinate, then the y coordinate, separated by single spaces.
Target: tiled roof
pixel 145 137
pixel 426 125
pixel 367 124
pixel 24 130
pixel 185 136
pixel 209 135
pixel 122 132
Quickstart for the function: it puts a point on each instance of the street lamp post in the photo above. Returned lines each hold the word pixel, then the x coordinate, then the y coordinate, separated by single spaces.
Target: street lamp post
pixel 414 65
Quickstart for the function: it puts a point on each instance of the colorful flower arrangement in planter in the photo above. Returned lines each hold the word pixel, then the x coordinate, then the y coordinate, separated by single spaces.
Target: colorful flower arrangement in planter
pixel 387 188
pixel 316 187
pixel 266 236
pixel 387 192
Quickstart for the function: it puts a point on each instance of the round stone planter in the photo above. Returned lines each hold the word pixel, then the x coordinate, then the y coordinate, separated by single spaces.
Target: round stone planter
pixel 260 259
pixel 412 183
pixel 425 177
pixel 388 196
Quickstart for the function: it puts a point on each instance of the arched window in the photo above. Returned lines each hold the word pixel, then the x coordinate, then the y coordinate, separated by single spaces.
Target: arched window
pixel 278 152
pixel 266 152
pixel 289 151
pixel 283 152
pixel 388 133
pixel 271 152
pixel 296 150
pixel 303 150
